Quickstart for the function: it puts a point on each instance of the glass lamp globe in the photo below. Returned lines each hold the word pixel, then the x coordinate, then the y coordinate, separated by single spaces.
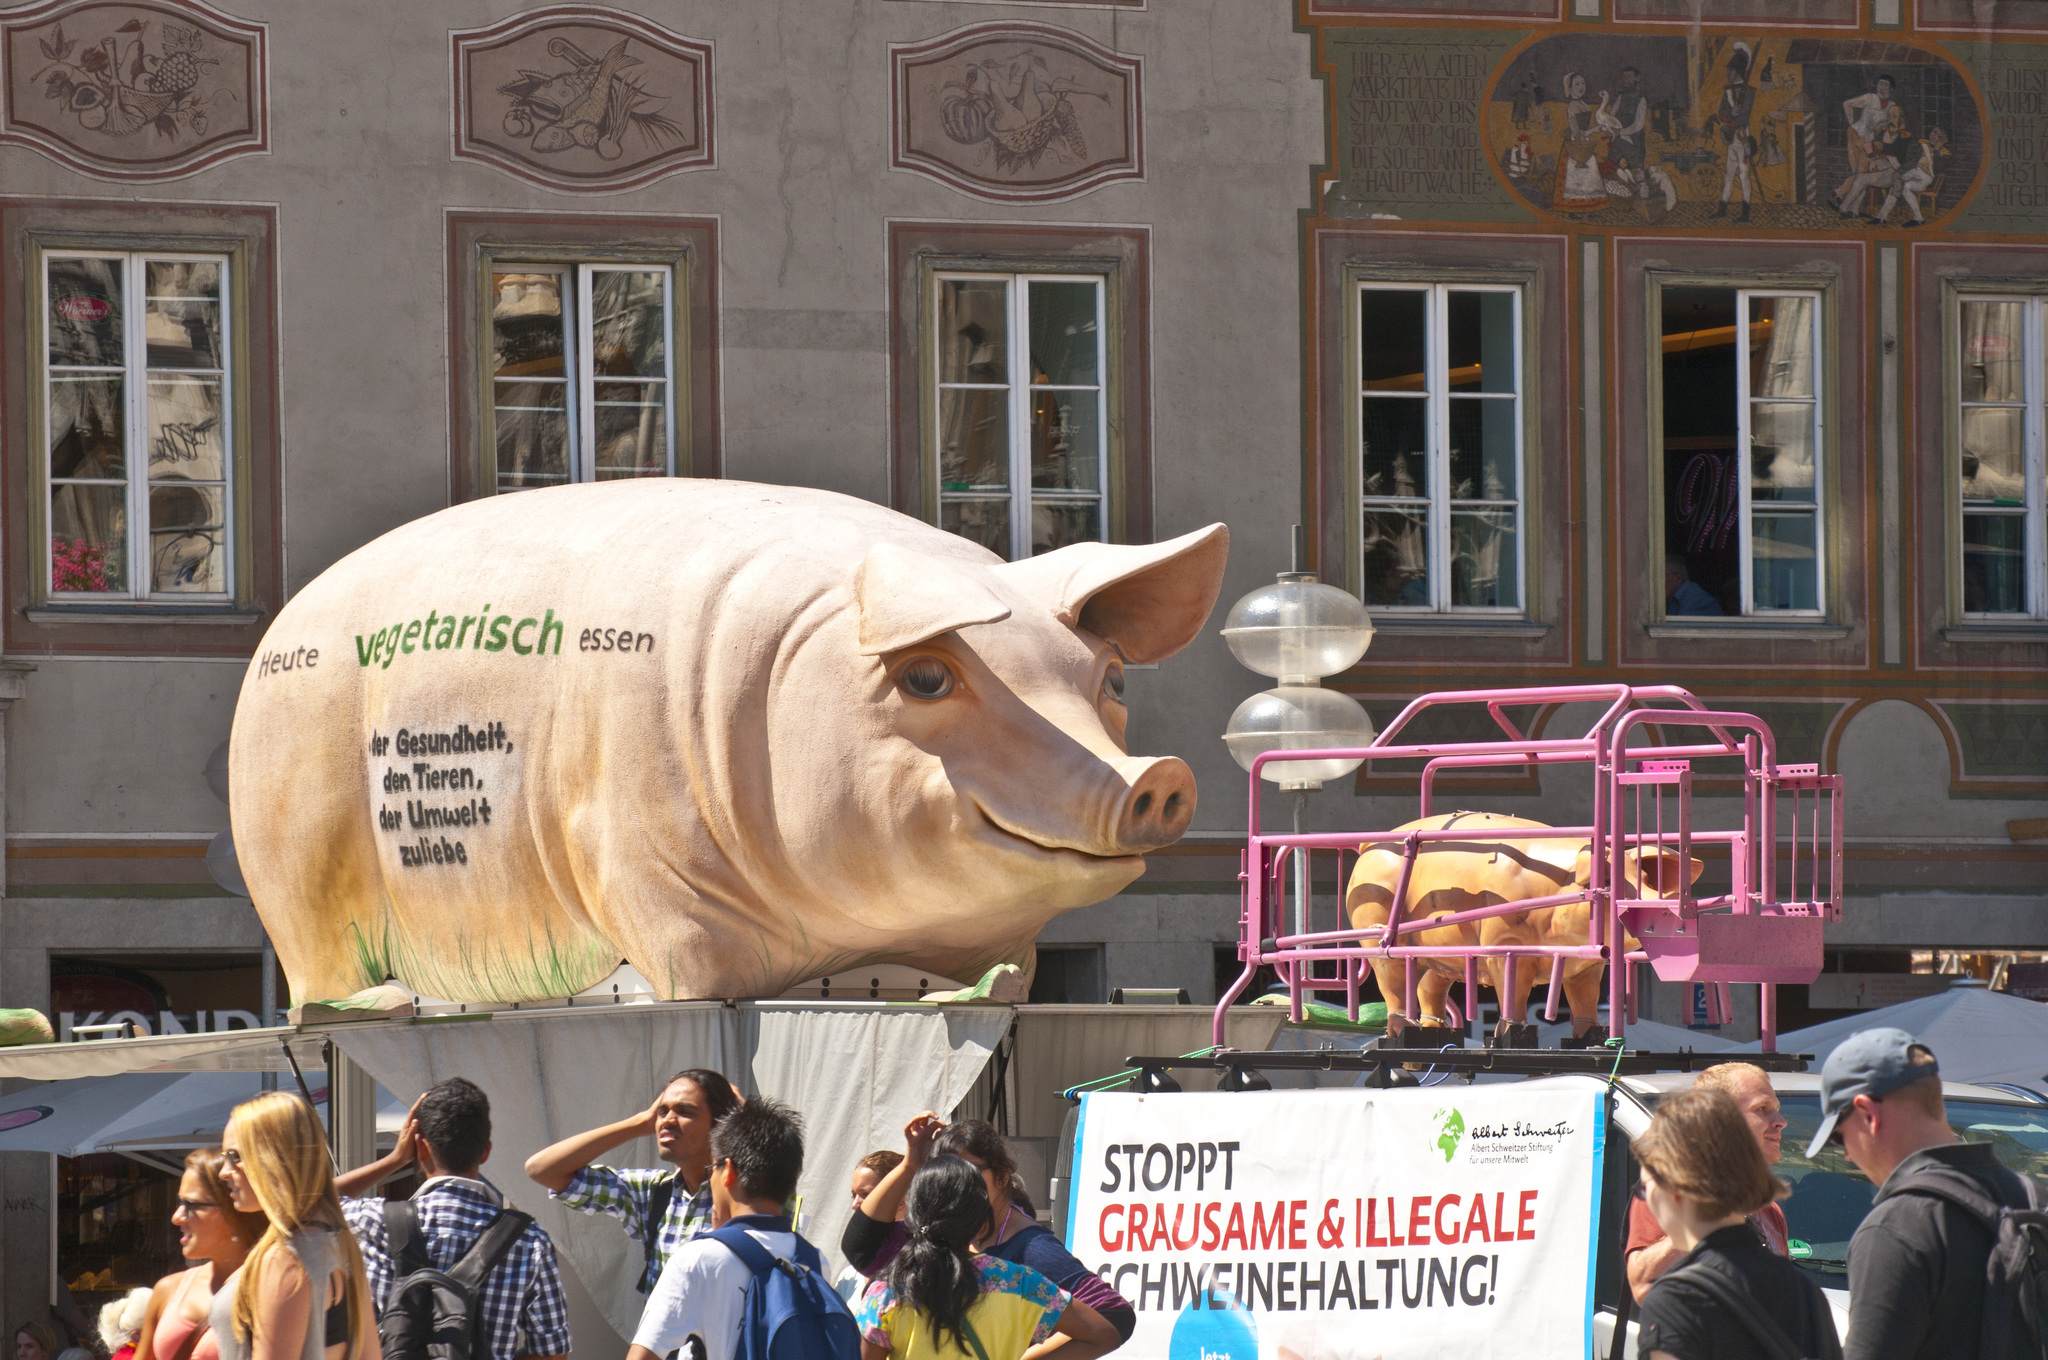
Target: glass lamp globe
pixel 1298 718
pixel 1298 629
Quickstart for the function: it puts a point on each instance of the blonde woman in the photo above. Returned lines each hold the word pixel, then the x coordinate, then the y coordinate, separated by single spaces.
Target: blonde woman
pixel 212 1232
pixel 302 1293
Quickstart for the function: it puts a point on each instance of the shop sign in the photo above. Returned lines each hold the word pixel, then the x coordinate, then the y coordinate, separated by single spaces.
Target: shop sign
pixel 1448 1220
pixel 156 1022
pixel 84 308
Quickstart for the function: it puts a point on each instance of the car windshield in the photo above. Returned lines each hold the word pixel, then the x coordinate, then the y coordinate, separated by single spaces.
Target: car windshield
pixel 1830 1196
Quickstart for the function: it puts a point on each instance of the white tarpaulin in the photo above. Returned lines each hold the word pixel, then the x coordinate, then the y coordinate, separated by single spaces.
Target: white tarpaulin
pixel 1450 1220
pixel 855 1073
pixel 1976 1034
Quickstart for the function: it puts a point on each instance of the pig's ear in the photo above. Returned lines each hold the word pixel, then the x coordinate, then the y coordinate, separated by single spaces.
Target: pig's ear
pixel 1150 601
pixel 906 598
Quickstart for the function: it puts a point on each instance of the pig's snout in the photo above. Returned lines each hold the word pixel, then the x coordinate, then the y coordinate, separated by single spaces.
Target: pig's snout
pixel 1157 807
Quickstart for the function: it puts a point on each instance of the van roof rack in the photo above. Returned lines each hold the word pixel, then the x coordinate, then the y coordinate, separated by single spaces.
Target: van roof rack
pixel 1241 1069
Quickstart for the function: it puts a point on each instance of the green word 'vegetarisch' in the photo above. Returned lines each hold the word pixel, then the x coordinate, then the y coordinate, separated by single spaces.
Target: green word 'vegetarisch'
pixel 479 632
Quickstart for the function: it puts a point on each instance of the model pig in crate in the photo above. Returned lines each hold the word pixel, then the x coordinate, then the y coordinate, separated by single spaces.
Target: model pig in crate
pixel 1463 875
pixel 738 736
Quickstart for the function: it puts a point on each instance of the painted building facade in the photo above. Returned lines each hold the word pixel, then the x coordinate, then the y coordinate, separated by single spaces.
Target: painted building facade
pixel 1592 340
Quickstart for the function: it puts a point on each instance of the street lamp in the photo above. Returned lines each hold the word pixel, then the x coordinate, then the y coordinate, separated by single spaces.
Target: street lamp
pixel 1298 631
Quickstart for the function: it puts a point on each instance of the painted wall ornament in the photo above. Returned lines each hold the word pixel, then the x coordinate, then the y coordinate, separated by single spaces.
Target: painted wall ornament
pixel 134 92
pixel 1020 113
pixel 584 99
pixel 739 736
pixel 1812 133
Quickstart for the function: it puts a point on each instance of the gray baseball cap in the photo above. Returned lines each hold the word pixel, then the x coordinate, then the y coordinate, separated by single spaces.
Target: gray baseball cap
pixel 1871 1062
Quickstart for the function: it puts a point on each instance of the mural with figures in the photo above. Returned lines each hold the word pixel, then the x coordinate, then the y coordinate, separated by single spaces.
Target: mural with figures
pixel 1776 132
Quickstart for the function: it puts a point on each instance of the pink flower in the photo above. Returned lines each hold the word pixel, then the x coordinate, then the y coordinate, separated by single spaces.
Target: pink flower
pixel 78 565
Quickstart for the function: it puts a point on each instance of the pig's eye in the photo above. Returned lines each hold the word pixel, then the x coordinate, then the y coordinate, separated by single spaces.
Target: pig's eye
pixel 926 678
pixel 1113 684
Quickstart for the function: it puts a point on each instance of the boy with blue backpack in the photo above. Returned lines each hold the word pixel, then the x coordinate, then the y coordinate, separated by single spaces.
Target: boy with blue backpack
pixel 754 1289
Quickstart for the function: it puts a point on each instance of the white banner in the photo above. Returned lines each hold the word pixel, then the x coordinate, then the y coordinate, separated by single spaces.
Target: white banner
pixel 1345 1224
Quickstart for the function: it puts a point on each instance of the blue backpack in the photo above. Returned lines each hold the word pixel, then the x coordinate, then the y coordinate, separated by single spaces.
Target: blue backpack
pixel 792 1311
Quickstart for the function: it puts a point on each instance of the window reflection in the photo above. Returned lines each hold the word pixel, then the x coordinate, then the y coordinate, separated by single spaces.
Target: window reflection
pixel 2000 454
pixel 1021 438
pixel 1440 447
pixel 1741 452
pixel 138 423
pixel 580 369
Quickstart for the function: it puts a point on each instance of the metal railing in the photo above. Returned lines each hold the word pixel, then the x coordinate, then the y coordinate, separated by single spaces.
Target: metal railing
pixel 1784 861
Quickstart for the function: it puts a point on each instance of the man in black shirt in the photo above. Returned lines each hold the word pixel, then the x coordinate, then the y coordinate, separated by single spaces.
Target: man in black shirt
pixel 1917 1263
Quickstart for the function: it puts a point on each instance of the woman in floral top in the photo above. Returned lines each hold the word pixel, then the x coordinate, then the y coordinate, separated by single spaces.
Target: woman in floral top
pixel 941 1301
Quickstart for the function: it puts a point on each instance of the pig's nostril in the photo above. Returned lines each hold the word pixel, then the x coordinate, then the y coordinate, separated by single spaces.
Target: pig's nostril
pixel 1156 807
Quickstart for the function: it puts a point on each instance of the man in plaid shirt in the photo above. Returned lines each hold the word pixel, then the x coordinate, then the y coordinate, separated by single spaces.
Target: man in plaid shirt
pixel 449 1134
pixel 678 1195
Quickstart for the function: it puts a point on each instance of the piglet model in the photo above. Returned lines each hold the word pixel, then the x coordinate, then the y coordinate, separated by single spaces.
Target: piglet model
pixel 739 736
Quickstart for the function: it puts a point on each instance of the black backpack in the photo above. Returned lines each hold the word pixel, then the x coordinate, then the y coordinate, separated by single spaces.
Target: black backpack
pixel 2015 1325
pixel 657 1210
pixel 437 1314
pixel 1739 1304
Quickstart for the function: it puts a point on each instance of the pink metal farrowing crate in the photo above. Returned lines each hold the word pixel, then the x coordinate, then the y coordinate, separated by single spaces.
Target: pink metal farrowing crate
pixel 1785 859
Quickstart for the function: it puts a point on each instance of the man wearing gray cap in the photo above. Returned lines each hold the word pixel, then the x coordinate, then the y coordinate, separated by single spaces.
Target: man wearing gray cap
pixel 1917 1263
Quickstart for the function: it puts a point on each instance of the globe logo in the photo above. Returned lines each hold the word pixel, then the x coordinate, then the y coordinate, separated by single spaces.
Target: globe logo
pixel 1450 1131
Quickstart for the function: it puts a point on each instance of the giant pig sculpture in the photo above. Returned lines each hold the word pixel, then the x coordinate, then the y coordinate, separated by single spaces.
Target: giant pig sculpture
pixel 1456 876
pixel 738 736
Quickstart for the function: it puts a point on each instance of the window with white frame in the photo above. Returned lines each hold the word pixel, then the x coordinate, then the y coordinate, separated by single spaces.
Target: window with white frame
pixel 2000 417
pixel 1742 447
pixel 1440 446
pixel 136 401
pixel 582 372
pixel 1018 370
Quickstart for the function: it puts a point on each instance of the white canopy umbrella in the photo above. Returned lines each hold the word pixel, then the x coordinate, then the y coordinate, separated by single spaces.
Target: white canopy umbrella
pixel 193 1112
pixel 1976 1033
pixel 137 1112
pixel 68 1117
pixel 145 1112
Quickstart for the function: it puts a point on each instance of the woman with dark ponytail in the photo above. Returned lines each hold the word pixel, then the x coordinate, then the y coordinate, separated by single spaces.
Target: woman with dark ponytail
pixel 940 1300
pixel 1014 1234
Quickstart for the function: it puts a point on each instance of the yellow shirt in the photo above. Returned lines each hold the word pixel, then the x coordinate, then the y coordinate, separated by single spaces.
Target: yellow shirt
pixel 1018 1308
